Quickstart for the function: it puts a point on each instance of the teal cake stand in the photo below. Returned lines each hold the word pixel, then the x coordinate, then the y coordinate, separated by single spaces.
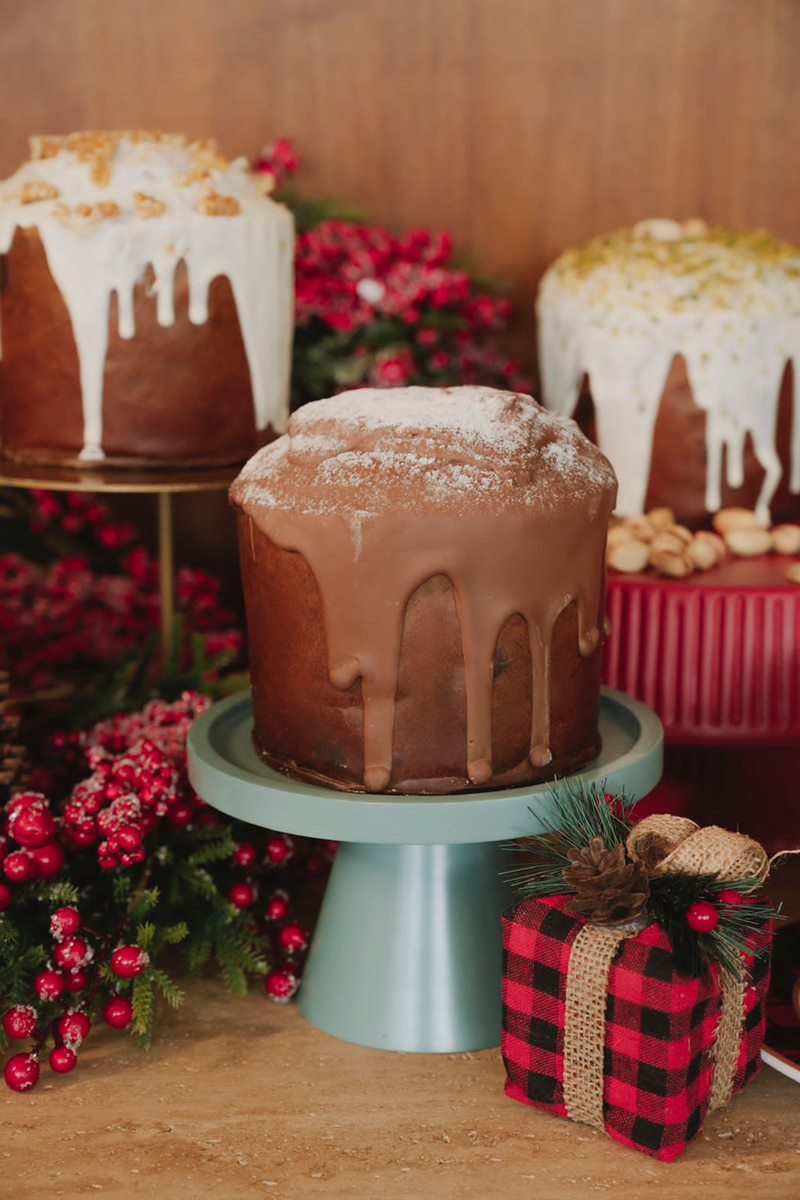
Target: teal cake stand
pixel 407 951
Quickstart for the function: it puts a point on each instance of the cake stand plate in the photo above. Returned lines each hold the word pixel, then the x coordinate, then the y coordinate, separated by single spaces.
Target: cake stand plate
pixel 407 952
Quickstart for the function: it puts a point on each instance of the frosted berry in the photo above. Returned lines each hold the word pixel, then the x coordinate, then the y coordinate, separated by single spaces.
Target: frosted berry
pixel 279 849
pixel 129 961
pixel 64 922
pixel 729 896
pixel 22 1072
pixel 180 815
pixel 277 906
pixel 49 985
pixel 6 897
pixel 118 1012
pixel 76 981
pixel 293 938
pixel 32 827
pixel 20 1022
pixel 281 984
pixel 242 895
pixel 72 954
pixel 73 1028
pixel 63 1060
pixel 702 917
pixel 20 867
pixel 129 838
pixel 49 860
pixel 245 854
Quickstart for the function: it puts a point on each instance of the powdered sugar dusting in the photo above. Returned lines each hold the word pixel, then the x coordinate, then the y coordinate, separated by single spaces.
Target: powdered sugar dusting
pixel 423 450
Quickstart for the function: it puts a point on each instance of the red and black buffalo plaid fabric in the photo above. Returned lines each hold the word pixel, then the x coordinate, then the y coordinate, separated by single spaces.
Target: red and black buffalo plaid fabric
pixel 660 1027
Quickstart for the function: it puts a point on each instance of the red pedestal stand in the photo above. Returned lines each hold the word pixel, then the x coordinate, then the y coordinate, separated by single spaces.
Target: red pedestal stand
pixel 717 656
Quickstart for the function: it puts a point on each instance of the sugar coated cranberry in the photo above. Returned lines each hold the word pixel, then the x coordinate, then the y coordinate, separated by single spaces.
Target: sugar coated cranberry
pixel 20 1022
pixel 242 895
pixel 49 985
pixel 245 854
pixel 74 1027
pixel 32 826
pixel 280 849
pixel 72 954
pixel 129 838
pixel 293 938
pixel 22 1072
pixel 129 961
pixel 20 867
pixel 49 859
pixel 6 897
pixel 729 896
pixel 118 1012
pixel 76 981
pixel 277 906
pixel 63 1059
pixel 64 922
pixel 281 984
pixel 702 917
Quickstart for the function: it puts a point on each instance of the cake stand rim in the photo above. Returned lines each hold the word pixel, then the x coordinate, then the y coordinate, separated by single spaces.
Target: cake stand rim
pixel 120 479
pixel 294 807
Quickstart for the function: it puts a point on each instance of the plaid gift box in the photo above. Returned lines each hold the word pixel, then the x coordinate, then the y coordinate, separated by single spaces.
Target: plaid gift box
pixel 657 1067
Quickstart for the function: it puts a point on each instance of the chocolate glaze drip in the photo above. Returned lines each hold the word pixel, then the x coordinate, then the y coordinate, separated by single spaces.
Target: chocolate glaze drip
pixel 510 503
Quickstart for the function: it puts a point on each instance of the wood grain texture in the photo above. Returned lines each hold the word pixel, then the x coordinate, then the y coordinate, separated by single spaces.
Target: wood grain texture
pixel 520 125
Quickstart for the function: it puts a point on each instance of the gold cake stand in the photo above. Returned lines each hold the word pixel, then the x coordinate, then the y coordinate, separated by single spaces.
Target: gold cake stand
pixel 163 483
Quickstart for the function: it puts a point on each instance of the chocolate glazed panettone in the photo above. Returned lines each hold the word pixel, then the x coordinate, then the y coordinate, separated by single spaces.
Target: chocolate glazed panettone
pixel 424 581
pixel 146 299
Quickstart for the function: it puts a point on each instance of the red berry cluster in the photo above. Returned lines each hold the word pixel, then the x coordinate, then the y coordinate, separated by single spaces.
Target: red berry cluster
pixel 29 846
pixel 66 974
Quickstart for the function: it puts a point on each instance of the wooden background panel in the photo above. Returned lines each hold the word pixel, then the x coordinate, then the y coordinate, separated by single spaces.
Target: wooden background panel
pixel 520 125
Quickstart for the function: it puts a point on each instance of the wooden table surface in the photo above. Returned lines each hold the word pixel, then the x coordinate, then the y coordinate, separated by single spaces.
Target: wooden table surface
pixel 242 1098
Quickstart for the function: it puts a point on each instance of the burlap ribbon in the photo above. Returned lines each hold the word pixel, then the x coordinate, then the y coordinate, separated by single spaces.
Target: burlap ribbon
pixel 666 845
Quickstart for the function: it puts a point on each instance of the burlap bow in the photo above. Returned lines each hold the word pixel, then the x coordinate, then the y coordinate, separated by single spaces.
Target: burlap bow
pixel 665 845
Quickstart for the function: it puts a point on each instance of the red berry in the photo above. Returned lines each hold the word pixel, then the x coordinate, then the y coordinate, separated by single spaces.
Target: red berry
pixel 74 1027
pixel 280 849
pixel 129 961
pixel 293 938
pixel 6 896
pixel 64 922
pixel 76 981
pixel 63 1060
pixel 72 954
pixel 20 867
pixel 22 1072
pixel 20 1022
pixel 242 895
pixel 129 838
pixel 245 855
pixel 729 896
pixel 49 859
pixel 118 1012
pixel 702 917
pixel 281 984
pixel 277 906
pixel 180 815
pixel 49 985
pixel 32 827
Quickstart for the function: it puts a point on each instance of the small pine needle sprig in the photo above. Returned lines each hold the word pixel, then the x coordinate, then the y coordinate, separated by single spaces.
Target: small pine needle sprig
pixel 577 813
pixel 582 847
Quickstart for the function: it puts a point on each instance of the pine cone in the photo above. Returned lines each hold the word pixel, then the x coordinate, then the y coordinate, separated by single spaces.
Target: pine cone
pixel 609 889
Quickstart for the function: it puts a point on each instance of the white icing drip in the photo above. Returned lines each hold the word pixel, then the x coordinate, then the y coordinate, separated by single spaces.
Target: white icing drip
pixel 91 259
pixel 620 318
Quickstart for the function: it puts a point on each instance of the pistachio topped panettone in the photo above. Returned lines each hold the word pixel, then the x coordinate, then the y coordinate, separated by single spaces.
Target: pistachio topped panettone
pixel 424 580
pixel 677 345
pixel 146 301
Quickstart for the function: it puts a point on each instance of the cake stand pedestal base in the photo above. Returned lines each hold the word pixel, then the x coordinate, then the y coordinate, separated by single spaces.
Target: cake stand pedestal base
pixel 407 952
